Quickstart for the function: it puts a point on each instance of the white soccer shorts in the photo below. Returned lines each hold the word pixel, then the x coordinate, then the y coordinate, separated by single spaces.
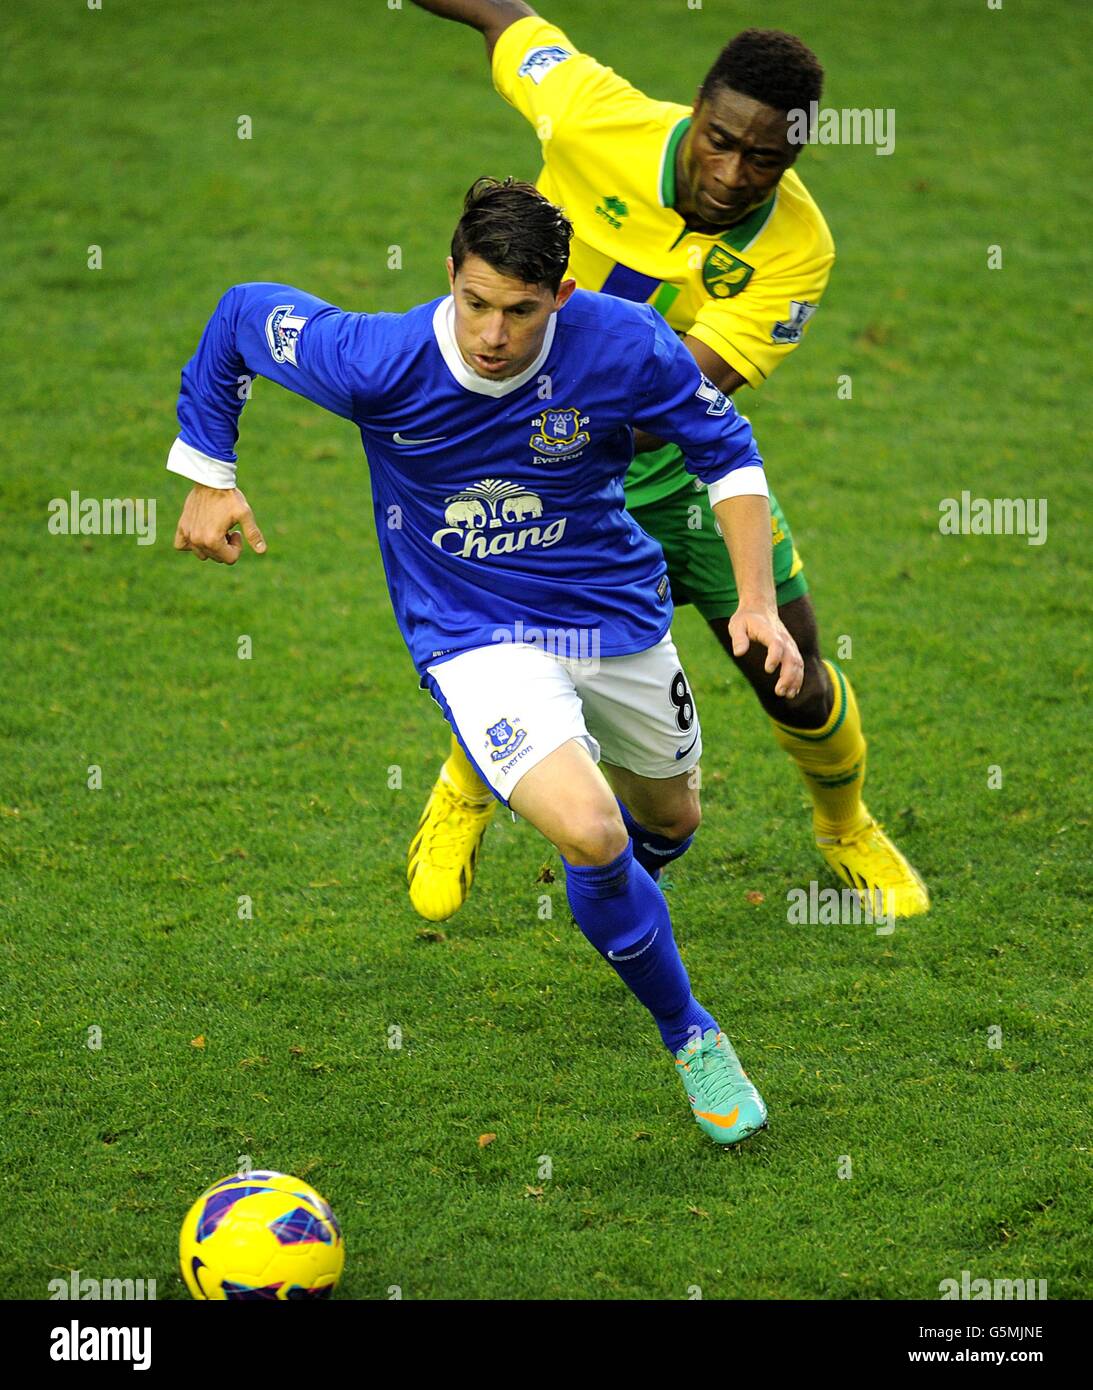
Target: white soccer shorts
pixel 512 704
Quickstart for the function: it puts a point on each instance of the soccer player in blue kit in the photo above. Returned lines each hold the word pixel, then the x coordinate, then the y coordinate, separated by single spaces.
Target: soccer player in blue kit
pixel 497 423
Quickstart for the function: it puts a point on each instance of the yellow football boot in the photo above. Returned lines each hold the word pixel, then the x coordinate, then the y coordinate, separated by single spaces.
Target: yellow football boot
pixel 867 860
pixel 442 855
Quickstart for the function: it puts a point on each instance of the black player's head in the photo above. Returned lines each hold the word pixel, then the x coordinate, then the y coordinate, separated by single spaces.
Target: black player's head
pixel 744 134
pixel 509 254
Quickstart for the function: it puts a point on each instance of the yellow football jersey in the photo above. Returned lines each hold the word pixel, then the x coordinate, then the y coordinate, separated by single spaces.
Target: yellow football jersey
pixel 609 155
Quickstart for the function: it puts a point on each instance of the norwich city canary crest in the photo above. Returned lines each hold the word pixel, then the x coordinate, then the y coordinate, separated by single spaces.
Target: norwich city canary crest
pixel 724 274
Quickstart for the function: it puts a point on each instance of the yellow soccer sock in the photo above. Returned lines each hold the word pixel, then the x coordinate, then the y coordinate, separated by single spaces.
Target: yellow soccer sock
pixel 462 776
pixel 831 760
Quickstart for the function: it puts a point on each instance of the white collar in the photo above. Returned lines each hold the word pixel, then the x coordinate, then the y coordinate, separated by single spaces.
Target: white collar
pixel 444 332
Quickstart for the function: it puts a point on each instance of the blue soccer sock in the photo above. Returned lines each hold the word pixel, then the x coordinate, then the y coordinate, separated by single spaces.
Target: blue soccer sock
pixel 650 850
pixel 624 915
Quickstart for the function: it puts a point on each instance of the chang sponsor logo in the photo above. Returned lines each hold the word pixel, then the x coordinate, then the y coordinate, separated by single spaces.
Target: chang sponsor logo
pixel 485 519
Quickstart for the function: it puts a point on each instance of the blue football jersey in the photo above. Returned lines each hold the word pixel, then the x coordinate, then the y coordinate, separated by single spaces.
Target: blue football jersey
pixel 498 504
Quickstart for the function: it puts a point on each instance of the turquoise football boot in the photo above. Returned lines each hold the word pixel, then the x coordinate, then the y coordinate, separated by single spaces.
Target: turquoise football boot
pixel 725 1104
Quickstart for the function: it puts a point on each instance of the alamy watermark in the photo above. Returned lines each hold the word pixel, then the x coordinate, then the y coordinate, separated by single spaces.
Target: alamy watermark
pixel 848 125
pixel 975 1289
pixel 111 516
pixel 840 907
pixel 994 516
pixel 576 644
pixel 91 1290
pixel 76 1343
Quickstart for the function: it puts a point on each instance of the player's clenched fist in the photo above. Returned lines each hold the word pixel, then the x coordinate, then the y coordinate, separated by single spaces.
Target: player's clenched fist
pixel 205 526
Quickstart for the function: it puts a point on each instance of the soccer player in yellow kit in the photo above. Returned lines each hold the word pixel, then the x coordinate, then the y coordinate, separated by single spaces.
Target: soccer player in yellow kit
pixel 698 212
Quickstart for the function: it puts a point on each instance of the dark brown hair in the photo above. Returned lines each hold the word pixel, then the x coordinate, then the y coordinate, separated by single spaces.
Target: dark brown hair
pixel 514 229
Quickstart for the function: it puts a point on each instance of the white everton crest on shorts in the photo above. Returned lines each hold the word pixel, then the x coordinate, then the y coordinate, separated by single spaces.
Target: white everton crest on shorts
pixel 539 61
pixel 282 330
pixel 513 703
pixel 504 738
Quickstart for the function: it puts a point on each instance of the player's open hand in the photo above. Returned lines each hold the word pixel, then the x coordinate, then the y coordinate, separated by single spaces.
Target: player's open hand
pixel 764 626
pixel 205 526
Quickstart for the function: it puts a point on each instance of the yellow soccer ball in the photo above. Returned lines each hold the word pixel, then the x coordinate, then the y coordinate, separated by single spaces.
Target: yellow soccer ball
pixel 261 1235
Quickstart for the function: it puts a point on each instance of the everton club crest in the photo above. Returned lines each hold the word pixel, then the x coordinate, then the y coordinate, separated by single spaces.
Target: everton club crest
pixel 559 433
pixel 504 739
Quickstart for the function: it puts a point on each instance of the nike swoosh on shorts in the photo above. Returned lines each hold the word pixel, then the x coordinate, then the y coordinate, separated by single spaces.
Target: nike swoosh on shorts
pixel 682 752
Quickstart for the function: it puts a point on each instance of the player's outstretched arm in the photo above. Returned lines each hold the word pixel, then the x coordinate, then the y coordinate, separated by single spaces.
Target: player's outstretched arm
pixel 275 331
pixel 745 525
pixel 490 17
pixel 677 402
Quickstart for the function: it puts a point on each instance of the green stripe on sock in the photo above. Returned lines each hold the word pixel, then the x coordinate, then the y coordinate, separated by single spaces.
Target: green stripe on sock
pixel 832 782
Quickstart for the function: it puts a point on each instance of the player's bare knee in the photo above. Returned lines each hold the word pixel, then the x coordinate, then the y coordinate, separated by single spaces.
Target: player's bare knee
pixel 688 820
pixel 594 838
pixel 677 821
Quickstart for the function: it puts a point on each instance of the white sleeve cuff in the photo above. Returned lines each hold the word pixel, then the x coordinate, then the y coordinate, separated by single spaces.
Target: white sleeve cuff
pixel 199 467
pixel 749 481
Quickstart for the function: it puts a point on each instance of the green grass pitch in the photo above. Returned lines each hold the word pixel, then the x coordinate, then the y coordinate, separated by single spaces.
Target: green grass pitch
pixel 269 777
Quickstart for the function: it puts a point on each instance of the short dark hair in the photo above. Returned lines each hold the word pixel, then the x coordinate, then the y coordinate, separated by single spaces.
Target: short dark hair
pixel 768 66
pixel 514 229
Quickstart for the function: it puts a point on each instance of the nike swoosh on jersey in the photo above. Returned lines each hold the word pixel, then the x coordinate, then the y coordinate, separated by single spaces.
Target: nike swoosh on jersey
pixel 398 438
